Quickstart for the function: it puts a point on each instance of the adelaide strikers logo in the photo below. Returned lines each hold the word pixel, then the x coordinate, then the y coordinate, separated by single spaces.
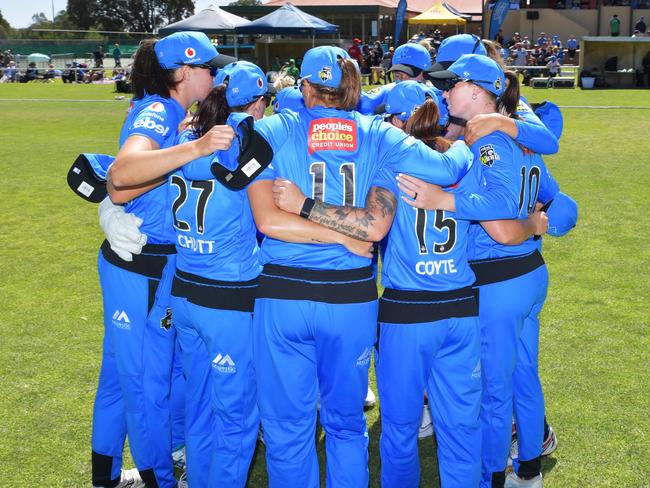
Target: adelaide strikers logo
pixel 325 74
pixel 497 84
pixel 190 52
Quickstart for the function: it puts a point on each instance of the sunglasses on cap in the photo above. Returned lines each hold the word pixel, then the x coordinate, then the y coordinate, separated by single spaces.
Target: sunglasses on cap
pixel 452 83
pixel 213 70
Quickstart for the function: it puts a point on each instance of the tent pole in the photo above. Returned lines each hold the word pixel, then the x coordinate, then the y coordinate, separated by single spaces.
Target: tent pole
pixel 236 45
pixel 313 37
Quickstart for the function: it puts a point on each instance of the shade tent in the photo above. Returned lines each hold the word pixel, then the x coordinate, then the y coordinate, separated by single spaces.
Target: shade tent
pixel 438 15
pixel 211 20
pixel 288 20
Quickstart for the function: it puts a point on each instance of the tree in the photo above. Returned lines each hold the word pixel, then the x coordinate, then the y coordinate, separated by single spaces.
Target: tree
pixel 136 15
pixel 80 13
pixel 245 3
pixel 5 28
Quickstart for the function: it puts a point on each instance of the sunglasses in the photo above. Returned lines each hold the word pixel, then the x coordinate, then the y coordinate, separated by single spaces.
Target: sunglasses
pixel 450 84
pixel 212 69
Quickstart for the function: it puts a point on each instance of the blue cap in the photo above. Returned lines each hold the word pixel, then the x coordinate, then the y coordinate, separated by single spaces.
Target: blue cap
pixel 190 48
pixel 562 215
pixel 289 98
pixel 320 66
pixel 245 83
pixel 406 97
pixel 454 47
pixel 480 70
pixel 411 58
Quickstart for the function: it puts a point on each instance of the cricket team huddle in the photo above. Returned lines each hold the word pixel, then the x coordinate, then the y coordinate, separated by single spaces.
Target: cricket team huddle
pixel 242 256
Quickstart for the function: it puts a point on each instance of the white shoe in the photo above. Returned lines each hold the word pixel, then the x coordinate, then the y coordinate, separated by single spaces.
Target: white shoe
pixel 550 442
pixel 370 399
pixel 130 478
pixel 426 424
pixel 549 445
pixel 514 481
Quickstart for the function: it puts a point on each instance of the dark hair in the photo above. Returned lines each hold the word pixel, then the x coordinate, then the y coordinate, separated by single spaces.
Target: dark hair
pixel 213 110
pixel 507 104
pixel 147 76
pixel 346 96
pixel 423 125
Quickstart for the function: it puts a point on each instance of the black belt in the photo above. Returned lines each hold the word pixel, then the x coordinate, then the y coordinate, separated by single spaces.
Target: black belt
pixel 416 307
pixel 495 270
pixel 328 286
pixel 221 295
pixel 150 262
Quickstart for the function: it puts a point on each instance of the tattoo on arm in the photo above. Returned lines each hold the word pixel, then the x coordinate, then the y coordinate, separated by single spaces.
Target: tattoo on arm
pixel 355 222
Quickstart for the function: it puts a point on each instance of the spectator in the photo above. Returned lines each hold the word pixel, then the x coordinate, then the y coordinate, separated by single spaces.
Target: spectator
pixel 366 55
pixel 572 45
pixel 553 66
pixel 117 55
pixel 520 55
pixel 376 54
pixel 525 42
pixel 614 26
pixel 98 55
pixel 499 38
pixel 10 73
pixel 542 40
pixel 559 54
pixel 386 63
pixel 355 51
pixel 646 67
pixel 276 65
pixel 640 26
pixel 30 74
pixel 292 70
pixel 555 42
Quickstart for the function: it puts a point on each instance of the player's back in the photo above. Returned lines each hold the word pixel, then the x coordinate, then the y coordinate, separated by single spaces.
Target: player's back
pixel 214 228
pixel 534 183
pixel 331 155
pixel 427 249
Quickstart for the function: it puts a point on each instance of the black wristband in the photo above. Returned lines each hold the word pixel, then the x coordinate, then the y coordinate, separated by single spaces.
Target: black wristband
pixel 306 207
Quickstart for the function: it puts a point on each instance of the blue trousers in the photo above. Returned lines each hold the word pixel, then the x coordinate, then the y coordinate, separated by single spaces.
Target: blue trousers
pixel 221 414
pixel 134 382
pixel 300 347
pixel 443 358
pixel 509 345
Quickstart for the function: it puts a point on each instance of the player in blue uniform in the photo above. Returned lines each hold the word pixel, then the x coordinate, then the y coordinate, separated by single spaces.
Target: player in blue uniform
pixel 134 386
pixel 527 130
pixel 212 296
pixel 315 313
pixel 511 279
pixel 409 62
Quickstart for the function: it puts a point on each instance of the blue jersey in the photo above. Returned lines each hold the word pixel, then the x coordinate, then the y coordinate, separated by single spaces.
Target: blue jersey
pixel 427 249
pixel 335 156
pixel 214 227
pixel 512 182
pixel 157 118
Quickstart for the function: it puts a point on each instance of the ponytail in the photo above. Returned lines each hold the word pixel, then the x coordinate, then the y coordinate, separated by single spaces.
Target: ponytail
pixel 346 96
pixel 423 125
pixel 147 76
pixel 493 52
pixel 212 111
pixel 507 104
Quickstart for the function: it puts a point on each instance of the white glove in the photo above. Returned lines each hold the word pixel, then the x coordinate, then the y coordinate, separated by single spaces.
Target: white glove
pixel 121 230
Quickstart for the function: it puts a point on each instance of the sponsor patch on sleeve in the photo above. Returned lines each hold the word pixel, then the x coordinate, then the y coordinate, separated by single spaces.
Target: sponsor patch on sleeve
pixel 522 107
pixel 488 155
pixel 332 134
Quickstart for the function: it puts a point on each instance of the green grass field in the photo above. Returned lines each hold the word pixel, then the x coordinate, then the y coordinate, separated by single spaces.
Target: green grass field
pixel 595 353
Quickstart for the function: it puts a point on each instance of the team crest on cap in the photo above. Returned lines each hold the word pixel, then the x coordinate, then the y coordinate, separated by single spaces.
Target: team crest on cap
pixel 325 74
pixel 190 52
pixel 497 84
